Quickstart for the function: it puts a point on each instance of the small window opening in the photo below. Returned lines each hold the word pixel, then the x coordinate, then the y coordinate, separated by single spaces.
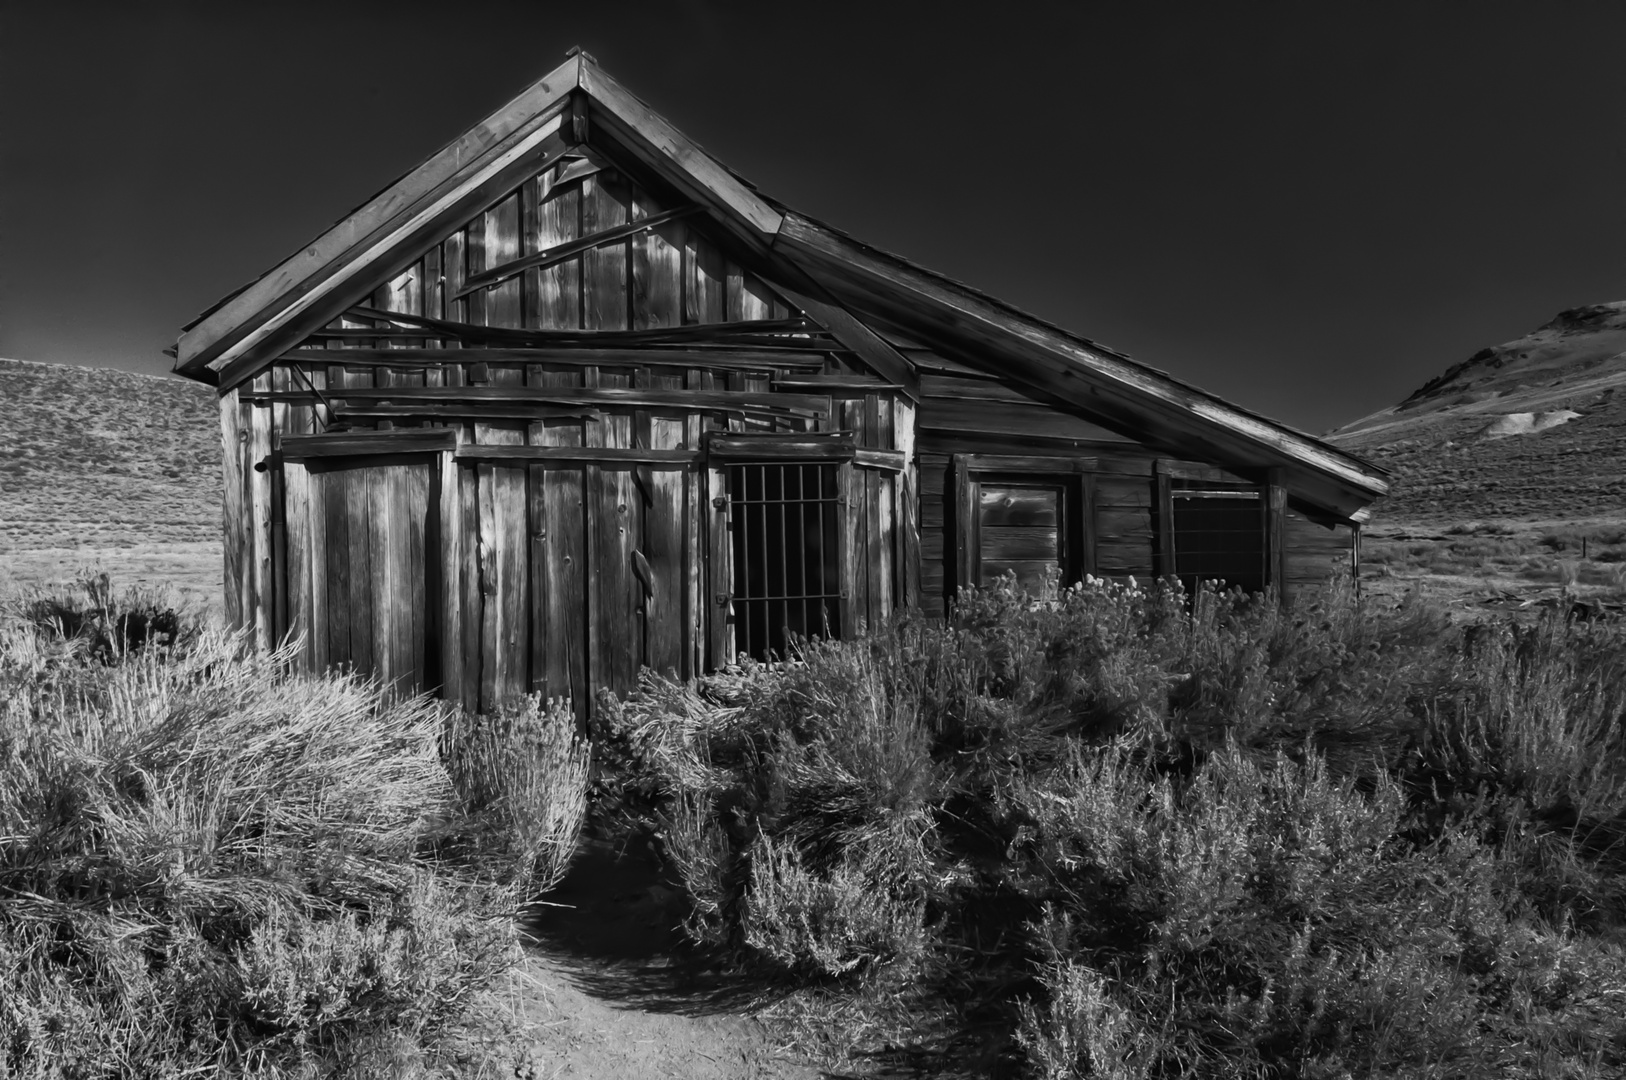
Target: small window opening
pixel 1219 536
pixel 786 518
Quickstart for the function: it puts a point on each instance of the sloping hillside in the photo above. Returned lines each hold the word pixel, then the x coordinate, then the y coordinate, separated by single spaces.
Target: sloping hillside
pixel 1531 430
pixel 110 468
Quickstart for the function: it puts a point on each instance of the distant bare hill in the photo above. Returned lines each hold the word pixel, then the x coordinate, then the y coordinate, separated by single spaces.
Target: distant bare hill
pixel 1531 430
pixel 99 466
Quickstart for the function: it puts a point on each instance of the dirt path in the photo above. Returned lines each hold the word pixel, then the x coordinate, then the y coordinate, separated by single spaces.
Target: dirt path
pixel 613 993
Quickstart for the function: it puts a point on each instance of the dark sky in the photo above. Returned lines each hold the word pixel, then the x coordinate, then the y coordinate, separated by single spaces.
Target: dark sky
pixel 1306 208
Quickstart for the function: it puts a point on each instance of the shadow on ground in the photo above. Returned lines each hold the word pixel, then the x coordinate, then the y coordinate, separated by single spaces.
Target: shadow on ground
pixel 613 928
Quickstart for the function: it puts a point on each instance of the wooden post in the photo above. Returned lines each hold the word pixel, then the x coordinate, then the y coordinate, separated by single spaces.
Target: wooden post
pixel 1087 533
pixel 719 595
pixel 907 515
pixel 1275 523
pixel 1163 504
pixel 232 523
pixel 450 557
pixel 261 613
pixel 965 521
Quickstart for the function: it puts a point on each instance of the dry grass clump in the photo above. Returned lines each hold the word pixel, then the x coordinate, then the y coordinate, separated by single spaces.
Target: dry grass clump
pixel 1130 833
pixel 212 866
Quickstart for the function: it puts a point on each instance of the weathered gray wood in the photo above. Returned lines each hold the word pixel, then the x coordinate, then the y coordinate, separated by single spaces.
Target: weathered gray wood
pixel 448 642
pixel 906 514
pixel 657 264
pixel 459 172
pixel 722 400
pixel 381 566
pixel 606 203
pixel 237 545
pixel 1001 544
pixel 1002 505
pixel 763 334
pixel 663 549
pixel 354 443
pixel 1275 526
pixel 655 142
pixel 262 613
pixel 358 573
pixel 559 287
pixel 502 245
pixel 1163 521
pixel 963 524
pixel 674 355
pixel 503 271
pixel 597 454
pixel 1054 362
pixel 719 598
pixel 472 598
pixel 299 573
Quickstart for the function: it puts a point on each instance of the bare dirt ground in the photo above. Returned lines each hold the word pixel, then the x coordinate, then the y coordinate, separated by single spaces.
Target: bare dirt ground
pixel 613 991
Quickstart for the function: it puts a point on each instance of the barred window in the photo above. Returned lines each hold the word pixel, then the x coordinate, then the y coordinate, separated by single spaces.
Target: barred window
pixel 785 523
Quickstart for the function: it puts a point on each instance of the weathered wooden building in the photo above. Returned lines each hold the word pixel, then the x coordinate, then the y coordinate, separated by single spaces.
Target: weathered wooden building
pixel 570 398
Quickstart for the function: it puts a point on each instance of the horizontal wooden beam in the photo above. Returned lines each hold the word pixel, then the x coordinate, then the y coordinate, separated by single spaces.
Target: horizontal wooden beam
pixel 350 444
pixel 560 252
pixel 854 384
pixel 870 458
pixel 583 356
pixel 605 455
pixel 1034 463
pixel 833 445
pixel 721 333
pixel 697 400
pixel 468 411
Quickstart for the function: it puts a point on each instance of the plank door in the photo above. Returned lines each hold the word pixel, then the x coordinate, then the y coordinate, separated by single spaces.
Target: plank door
pixel 373 574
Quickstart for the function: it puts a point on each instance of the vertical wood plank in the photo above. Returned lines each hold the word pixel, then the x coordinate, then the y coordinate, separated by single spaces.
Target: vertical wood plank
pixel 474 261
pixel 336 564
pixel 318 556
pixel 559 287
pixel 908 505
pixel 501 244
pixel 279 511
pixel 747 297
pixel 663 545
pixel 234 524
pixel 705 286
pixel 1087 562
pixel 965 523
pixel 657 269
pixel 530 281
pixel 418 484
pixel 606 202
pixel 719 596
pixel 1163 508
pixel 449 640
pixel 359 571
pixel 381 570
pixel 454 269
pixel 850 556
pixel 695 609
pixel 1275 526
pixel 259 486
pixel 471 593
pixel 296 526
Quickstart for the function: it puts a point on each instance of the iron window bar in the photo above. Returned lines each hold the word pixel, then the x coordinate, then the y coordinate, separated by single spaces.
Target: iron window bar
pixel 785 526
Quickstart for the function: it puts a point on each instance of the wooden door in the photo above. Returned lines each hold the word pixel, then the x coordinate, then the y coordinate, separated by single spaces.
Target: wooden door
pixel 374 569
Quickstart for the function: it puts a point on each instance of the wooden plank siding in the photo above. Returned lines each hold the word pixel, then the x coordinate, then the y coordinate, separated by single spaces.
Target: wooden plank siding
pixel 573 527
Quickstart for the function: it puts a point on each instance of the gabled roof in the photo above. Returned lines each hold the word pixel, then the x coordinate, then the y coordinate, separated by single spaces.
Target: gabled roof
pixel 839 281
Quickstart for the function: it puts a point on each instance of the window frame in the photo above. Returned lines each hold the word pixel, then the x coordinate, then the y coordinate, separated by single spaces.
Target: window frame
pixel 1076 519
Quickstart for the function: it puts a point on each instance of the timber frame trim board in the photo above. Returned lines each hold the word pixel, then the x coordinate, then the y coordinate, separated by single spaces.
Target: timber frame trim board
pixel 850 290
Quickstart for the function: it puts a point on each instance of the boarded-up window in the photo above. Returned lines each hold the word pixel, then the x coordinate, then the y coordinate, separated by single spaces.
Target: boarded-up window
pixel 1021 530
pixel 786 527
pixel 1219 536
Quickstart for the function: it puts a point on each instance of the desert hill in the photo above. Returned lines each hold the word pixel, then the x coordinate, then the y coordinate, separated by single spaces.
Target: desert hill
pixel 1532 430
pixel 110 468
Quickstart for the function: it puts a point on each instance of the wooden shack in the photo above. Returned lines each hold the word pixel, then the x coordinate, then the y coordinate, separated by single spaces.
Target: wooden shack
pixel 571 398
